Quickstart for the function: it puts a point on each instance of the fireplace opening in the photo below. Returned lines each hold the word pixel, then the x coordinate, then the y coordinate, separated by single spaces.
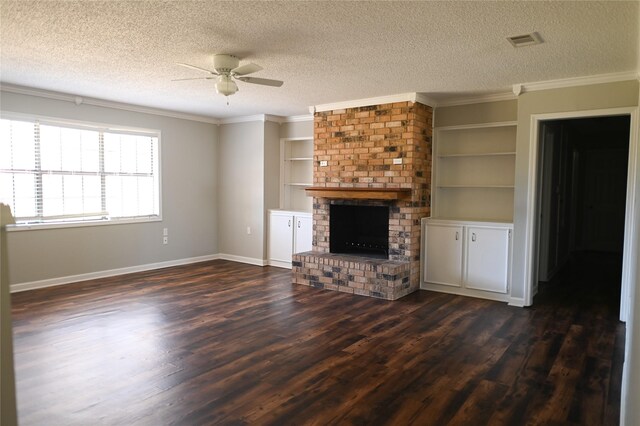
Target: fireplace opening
pixel 359 230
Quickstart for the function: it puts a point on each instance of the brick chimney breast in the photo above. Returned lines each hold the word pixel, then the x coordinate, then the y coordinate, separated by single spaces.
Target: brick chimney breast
pixel 377 146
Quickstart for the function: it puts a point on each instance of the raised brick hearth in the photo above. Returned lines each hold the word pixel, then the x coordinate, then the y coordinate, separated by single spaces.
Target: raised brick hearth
pixel 386 279
pixel 359 145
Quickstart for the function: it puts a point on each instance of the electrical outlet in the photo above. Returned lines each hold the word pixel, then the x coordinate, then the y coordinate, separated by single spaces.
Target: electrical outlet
pixel 248 230
pixel 165 240
pixel 324 163
pixel 165 231
pixel 397 161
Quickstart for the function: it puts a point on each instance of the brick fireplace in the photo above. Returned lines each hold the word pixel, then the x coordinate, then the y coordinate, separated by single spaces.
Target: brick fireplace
pixel 378 155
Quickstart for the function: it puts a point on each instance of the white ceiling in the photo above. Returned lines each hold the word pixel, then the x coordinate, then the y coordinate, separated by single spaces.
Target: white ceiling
pixel 325 52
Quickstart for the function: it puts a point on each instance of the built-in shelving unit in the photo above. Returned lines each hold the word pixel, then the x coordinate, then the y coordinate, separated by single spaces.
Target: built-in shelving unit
pixel 474 172
pixel 296 173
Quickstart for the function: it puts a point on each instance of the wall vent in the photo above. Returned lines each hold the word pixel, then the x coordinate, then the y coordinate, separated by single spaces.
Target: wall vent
pixel 525 40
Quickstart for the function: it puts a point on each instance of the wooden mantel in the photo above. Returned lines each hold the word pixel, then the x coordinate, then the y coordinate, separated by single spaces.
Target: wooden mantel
pixel 359 193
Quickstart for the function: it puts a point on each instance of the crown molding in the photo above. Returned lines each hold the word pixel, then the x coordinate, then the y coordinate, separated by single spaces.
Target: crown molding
pixel 298 118
pixel 252 118
pixel 274 118
pixel 540 85
pixel 380 100
pixel 244 119
pixel 425 100
pixel 577 81
pixel 494 97
pixel 268 117
pixel 78 100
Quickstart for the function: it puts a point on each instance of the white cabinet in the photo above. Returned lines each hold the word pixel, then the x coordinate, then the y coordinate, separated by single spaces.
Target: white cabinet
pixel 443 264
pixel 303 233
pixel 289 232
pixel 467 258
pixel 487 256
pixel 280 236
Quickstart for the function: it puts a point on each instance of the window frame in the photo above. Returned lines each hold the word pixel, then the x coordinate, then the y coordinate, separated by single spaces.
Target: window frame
pixel 99 127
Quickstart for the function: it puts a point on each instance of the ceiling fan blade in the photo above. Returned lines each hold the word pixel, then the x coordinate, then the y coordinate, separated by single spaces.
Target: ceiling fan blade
pixel 263 81
pixel 196 68
pixel 194 78
pixel 246 69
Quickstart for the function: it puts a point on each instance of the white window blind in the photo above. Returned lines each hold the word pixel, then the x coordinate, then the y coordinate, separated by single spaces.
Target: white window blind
pixel 53 172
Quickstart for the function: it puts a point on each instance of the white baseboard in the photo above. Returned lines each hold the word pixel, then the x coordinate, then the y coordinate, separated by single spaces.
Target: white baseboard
pixel 517 301
pixel 242 259
pixel 440 288
pixel 32 285
pixel 280 264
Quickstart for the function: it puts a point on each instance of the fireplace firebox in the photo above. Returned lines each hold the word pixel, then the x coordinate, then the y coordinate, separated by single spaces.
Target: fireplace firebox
pixel 359 230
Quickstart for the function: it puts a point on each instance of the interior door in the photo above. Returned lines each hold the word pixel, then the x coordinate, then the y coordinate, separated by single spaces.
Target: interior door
pixel 546 201
pixel 604 200
pixel 443 256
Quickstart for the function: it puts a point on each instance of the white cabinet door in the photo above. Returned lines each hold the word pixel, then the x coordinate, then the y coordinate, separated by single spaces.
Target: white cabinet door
pixel 487 259
pixel 443 256
pixel 280 237
pixel 303 234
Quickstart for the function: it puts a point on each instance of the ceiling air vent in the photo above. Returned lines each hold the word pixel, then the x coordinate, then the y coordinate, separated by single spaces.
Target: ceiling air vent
pixel 525 40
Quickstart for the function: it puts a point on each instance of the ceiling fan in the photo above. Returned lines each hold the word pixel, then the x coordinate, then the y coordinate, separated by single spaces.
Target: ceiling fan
pixel 227 70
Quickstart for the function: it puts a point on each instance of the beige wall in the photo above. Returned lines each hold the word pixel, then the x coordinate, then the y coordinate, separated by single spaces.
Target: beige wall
pixel 297 129
pixel 241 190
pixel 216 182
pixel 271 175
pixel 189 158
pixel 582 98
pixel 486 112
pixel 249 176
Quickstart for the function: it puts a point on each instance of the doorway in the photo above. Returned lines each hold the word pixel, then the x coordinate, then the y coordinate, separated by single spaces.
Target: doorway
pixel 582 196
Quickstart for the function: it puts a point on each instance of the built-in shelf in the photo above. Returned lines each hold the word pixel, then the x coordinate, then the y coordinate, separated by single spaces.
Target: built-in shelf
pixel 296 173
pixel 474 171
pixel 359 193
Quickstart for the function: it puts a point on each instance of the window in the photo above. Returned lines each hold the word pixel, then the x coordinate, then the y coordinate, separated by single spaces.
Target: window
pixel 57 173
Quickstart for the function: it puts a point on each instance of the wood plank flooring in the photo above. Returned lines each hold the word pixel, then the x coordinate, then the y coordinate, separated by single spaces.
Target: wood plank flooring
pixel 226 343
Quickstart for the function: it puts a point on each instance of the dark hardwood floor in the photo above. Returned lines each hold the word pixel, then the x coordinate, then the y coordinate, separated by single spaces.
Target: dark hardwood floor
pixel 226 343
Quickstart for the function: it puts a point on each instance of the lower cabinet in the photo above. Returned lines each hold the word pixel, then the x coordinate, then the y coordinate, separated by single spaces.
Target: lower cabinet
pixel 468 258
pixel 487 258
pixel 289 232
pixel 443 262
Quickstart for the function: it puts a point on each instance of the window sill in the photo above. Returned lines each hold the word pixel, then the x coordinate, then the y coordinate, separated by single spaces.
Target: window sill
pixel 78 224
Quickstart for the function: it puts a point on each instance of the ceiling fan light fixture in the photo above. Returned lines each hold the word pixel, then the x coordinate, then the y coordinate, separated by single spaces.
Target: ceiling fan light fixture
pixel 226 70
pixel 225 85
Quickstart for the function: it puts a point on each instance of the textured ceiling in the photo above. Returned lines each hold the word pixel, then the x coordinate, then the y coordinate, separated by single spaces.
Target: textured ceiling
pixel 325 52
